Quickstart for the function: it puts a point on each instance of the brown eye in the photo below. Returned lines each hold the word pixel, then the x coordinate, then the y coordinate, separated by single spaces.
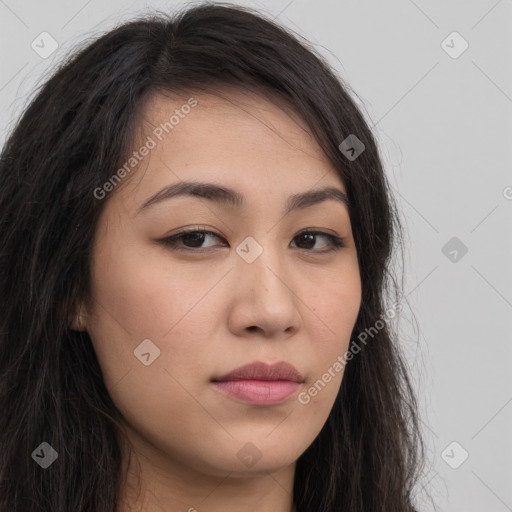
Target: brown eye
pixel 192 239
pixel 309 238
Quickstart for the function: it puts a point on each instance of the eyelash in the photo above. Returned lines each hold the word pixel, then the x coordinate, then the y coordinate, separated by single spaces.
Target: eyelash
pixel 171 242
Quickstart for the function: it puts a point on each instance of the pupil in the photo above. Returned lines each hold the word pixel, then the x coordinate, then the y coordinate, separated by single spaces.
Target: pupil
pixel 198 238
pixel 308 235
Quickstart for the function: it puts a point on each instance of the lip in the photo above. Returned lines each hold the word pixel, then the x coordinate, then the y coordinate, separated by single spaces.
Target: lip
pixel 263 371
pixel 260 383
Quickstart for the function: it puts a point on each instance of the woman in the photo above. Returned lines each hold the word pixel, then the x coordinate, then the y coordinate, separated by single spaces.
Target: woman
pixel 196 234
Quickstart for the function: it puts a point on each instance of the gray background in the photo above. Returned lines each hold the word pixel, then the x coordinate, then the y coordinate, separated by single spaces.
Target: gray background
pixel 444 128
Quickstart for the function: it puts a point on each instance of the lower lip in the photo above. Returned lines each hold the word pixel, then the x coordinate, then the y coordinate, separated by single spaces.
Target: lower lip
pixel 259 392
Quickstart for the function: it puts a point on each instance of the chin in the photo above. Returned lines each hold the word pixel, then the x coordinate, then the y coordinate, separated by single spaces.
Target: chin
pixel 256 458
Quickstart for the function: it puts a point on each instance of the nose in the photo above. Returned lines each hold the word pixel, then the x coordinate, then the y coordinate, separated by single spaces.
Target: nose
pixel 265 300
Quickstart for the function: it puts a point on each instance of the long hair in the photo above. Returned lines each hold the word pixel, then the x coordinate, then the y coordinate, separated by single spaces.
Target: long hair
pixel 73 135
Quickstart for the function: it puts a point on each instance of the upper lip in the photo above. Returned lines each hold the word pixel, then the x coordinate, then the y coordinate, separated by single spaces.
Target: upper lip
pixel 263 371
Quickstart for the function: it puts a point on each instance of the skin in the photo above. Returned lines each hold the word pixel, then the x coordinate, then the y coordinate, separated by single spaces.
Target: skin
pixel 210 312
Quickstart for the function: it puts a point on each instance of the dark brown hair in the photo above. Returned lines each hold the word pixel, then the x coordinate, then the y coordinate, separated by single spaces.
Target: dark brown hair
pixel 70 140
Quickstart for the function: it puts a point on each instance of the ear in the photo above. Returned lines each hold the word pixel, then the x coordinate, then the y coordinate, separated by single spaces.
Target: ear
pixel 79 320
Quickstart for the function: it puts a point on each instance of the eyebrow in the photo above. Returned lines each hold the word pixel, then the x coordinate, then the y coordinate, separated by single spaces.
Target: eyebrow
pixel 229 196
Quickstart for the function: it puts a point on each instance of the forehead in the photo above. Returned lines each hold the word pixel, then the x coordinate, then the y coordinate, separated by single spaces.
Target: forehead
pixel 231 119
pixel 226 101
pixel 239 138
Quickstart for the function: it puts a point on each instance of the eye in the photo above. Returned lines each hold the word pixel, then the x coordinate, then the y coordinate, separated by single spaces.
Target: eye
pixel 309 237
pixel 181 241
pixel 192 240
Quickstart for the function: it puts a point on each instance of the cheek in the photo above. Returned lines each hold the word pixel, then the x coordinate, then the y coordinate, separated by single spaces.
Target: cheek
pixel 143 296
pixel 335 305
pixel 335 313
pixel 139 299
pixel 145 292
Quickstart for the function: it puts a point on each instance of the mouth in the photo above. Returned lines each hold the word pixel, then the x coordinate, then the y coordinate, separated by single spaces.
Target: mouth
pixel 260 384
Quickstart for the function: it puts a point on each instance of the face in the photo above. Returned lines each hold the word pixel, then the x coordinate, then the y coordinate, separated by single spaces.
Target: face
pixel 174 311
